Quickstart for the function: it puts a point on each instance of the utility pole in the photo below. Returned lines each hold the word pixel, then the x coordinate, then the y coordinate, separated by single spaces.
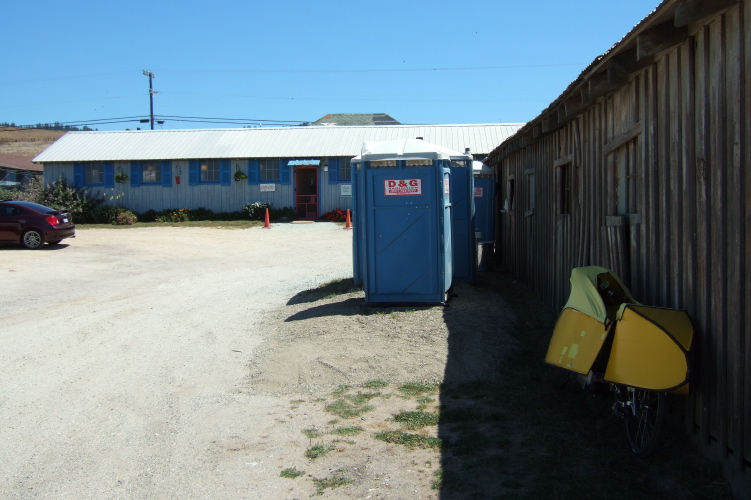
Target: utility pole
pixel 151 96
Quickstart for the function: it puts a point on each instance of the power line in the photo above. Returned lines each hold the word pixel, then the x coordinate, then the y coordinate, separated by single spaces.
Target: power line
pixel 264 120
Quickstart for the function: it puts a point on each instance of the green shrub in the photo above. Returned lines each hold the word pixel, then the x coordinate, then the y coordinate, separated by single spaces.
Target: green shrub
pixel 104 214
pixel 284 213
pixel 61 196
pixel 173 215
pixel 148 216
pixel 200 213
pixel 125 218
pixel 257 210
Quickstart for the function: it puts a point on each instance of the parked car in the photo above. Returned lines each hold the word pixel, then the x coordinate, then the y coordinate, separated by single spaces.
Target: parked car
pixel 32 225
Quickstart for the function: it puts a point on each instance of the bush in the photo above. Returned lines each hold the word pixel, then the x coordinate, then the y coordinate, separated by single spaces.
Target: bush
pixel 8 193
pixel 257 210
pixel 176 215
pixel 125 218
pixel 61 196
pixel 148 216
pixel 118 216
pixel 336 215
pixel 284 213
pixel 104 214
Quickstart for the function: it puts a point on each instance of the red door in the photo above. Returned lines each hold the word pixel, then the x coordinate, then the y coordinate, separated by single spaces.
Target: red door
pixel 306 192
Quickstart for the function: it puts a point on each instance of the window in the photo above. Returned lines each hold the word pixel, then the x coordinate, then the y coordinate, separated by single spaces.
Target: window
pixel 625 161
pixel 345 169
pixel 94 173
pixel 510 203
pixel 209 170
pixel 565 184
pixel 529 174
pixel 151 173
pixel 269 168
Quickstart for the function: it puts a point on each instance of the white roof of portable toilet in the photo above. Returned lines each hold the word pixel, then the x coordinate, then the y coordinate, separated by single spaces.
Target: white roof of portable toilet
pixel 402 149
pixel 479 167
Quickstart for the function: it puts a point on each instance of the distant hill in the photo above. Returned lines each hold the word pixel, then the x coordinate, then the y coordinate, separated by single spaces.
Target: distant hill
pixel 27 142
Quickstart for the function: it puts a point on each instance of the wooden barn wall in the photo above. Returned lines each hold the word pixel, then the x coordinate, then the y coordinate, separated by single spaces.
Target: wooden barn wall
pixel 662 195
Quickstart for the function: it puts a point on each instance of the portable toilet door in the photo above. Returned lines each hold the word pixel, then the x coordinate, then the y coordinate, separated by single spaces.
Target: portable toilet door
pixel 462 218
pixel 358 222
pixel 484 201
pixel 407 218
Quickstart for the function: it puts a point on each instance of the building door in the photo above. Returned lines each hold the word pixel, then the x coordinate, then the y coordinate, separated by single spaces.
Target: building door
pixel 306 192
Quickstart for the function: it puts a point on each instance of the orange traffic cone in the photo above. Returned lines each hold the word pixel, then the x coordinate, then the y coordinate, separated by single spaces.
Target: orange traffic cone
pixel 348 225
pixel 266 224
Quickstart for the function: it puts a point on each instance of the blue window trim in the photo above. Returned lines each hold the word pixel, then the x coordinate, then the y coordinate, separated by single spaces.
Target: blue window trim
pixel 108 175
pixel 333 170
pixel 254 172
pixel 339 171
pixel 194 173
pixel 285 175
pixel 334 165
pixel 136 174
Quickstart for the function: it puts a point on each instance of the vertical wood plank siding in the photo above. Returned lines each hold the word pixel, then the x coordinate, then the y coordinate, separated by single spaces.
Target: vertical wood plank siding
pixel 211 196
pixel 662 193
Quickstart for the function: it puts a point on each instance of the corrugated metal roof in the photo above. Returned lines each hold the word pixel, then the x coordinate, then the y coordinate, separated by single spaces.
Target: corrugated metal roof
pixel 289 142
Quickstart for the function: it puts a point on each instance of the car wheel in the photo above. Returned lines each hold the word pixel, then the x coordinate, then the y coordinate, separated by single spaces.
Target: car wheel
pixel 32 239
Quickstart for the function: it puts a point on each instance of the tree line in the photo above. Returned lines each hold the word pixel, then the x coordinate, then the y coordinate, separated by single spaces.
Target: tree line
pixel 50 126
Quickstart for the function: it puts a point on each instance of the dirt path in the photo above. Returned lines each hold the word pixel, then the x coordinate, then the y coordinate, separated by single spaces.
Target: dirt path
pixel 190 363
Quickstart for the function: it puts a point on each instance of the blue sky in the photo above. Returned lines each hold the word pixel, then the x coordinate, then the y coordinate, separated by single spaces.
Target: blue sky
pixel 290 61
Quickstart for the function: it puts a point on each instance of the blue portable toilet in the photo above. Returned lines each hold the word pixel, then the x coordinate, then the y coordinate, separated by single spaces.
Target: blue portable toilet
pixel 464 244
pixel 484 196
pixel 358 221
pixel 404 252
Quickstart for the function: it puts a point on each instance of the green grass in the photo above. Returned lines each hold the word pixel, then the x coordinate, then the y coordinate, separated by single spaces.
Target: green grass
pixel 312 433
pixel 344 409
pixel 352 430
pixel 413 420
pixel 226 224
pixel 375 384
pixel 337 479
pixel 409 440
pixel 414 389
pixel 319 450
pixel 291 473
pixel 341 390
pixel 362 398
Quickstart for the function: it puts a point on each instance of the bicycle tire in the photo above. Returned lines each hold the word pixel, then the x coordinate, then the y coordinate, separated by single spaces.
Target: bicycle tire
pixel 645 413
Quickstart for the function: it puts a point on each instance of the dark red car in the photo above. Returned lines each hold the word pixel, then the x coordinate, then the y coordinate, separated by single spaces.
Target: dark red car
pixel 32 225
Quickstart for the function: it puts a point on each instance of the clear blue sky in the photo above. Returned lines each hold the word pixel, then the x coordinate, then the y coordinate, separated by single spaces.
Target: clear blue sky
pixel 450 62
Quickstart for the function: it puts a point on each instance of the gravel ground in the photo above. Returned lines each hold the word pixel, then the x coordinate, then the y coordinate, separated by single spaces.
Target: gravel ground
pixel 198 363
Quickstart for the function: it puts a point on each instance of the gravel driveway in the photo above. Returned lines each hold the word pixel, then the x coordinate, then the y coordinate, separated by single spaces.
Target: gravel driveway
pixel 124 353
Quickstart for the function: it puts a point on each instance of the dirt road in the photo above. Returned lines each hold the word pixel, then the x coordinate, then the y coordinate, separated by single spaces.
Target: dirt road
pixel 124 352
pixel 192 363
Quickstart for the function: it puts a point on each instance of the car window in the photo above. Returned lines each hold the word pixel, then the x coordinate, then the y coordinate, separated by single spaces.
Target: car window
pixel 9 211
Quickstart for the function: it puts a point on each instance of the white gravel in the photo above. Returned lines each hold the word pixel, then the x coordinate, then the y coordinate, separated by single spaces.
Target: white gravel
pixel 124 353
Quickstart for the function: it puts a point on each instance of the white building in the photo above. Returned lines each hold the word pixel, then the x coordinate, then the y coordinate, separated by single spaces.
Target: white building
pixel 306 167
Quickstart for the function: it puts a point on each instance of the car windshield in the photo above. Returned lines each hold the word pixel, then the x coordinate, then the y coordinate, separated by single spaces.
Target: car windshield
pixel 35 206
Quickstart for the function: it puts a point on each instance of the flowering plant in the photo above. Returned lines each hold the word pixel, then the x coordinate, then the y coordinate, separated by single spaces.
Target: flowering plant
pixel 336 215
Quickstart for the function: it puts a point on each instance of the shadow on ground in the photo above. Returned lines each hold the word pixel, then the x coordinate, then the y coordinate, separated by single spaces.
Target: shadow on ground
pixel 509 431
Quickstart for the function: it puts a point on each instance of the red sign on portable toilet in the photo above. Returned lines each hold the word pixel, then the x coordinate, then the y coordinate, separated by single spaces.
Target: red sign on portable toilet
pixel 402 187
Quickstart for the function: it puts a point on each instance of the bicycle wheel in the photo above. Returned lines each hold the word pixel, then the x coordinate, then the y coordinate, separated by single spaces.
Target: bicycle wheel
pixel 645 412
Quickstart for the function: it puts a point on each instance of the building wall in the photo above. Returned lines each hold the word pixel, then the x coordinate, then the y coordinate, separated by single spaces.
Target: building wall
pixel 215 197
pixel 661 193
